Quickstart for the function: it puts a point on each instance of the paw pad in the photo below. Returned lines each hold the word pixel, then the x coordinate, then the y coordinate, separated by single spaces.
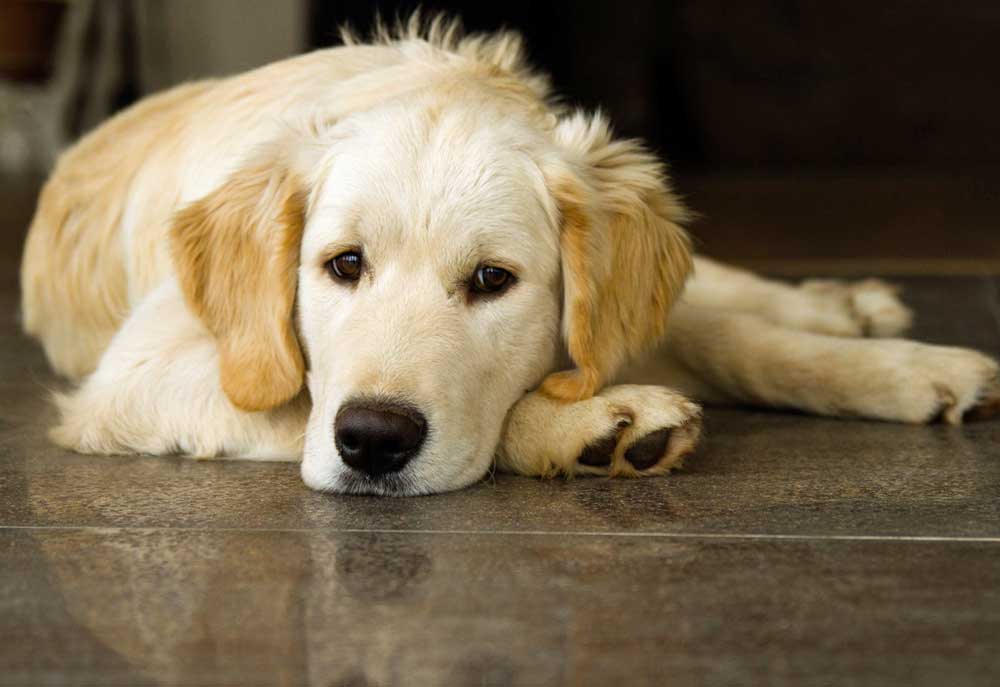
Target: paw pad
pixel 648 451
pixel 600 453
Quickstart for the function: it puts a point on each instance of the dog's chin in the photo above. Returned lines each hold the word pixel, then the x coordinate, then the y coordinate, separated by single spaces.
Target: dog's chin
pixel 395 484
pixel 402 483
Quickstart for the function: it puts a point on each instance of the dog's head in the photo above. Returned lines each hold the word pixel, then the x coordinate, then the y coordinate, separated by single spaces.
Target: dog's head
pixel 421 266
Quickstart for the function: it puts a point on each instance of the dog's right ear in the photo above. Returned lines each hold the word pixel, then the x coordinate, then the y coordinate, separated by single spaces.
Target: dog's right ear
pixel 236 253
pixel 625 254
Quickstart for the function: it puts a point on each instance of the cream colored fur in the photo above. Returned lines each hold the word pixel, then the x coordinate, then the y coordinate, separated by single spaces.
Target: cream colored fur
pixel 175 269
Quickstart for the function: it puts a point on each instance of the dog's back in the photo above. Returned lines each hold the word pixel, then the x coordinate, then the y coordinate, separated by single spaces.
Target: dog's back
pixel 74 276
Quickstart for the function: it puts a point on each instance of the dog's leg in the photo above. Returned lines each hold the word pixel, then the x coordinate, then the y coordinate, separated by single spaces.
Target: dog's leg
pixel 840 308
pixel 156 390
pixel 737 357
pixel 625 431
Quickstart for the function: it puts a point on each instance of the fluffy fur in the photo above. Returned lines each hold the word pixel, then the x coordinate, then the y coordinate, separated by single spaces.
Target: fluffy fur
pixel 176 269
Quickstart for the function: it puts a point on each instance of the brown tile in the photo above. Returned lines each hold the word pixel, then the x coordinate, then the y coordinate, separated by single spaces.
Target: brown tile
pixel 116 607
pixel 954 311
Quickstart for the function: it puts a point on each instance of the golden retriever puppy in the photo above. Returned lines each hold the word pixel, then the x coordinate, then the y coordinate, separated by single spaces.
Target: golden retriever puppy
pixel 401 262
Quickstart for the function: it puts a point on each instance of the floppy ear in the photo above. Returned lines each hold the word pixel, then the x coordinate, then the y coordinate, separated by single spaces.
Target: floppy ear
pixel 236 253
pixel 625 257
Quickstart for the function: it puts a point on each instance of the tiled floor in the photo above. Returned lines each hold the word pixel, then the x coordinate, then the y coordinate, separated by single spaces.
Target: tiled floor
pixel 792 551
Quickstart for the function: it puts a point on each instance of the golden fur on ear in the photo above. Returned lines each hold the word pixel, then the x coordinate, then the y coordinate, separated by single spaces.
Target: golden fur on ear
pixel 625 256
pixel 236 253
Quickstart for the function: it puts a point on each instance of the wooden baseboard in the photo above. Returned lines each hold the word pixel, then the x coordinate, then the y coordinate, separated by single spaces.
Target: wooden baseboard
pixel 872 267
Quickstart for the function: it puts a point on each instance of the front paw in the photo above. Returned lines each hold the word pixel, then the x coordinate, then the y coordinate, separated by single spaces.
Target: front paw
pixel 661 428
pixel 625 431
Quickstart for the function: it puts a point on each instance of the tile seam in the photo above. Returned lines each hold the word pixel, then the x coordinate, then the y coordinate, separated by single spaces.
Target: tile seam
pixel 525 533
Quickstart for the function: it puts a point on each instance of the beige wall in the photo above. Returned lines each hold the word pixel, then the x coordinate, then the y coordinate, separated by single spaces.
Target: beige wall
pixel 180 40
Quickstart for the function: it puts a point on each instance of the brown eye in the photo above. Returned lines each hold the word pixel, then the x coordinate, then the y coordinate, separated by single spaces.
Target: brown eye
pixel 346 266
pixel 489 279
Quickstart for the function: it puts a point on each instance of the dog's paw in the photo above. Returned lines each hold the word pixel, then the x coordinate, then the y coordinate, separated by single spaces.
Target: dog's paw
pixel 862 308
pixel 655 428
pixel 948 384
pixel 625 431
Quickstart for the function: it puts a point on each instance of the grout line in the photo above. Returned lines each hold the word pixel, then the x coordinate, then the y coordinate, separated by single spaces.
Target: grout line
pixel 528 533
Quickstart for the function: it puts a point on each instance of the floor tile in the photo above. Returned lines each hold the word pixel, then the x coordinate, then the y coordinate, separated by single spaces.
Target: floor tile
pixel 249 608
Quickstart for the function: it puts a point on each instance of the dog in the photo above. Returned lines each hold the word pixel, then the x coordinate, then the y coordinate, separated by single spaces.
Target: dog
pixel 401 262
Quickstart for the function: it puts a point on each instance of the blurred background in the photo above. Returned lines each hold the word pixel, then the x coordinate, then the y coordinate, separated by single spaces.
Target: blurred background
pixel 851 135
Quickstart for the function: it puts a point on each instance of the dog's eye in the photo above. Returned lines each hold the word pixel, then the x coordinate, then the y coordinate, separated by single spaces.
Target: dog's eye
pixel 346 266
pixel 488 279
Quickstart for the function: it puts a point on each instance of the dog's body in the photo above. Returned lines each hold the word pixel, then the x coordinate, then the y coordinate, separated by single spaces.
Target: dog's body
pixel 179 265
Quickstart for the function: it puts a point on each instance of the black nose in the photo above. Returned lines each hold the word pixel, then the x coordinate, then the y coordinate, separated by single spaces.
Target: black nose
pixel 377 437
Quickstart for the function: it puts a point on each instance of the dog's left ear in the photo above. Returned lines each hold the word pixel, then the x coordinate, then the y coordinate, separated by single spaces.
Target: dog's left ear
pixel 236 252
pixel 625 257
